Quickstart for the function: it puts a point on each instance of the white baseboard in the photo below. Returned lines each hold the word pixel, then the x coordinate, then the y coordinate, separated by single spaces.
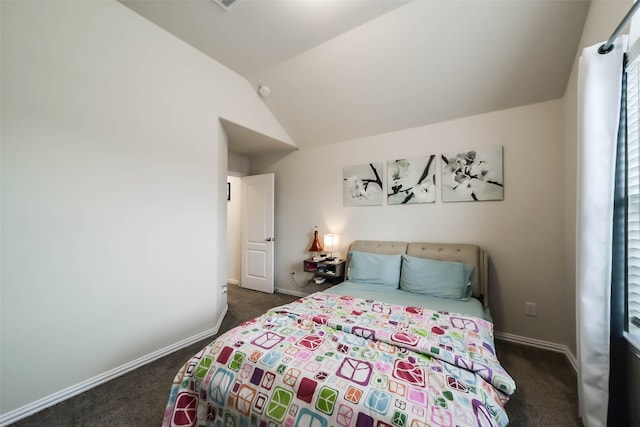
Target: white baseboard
pixel 560 348
pixel 293 292
pixel 69 392
pixel 233 281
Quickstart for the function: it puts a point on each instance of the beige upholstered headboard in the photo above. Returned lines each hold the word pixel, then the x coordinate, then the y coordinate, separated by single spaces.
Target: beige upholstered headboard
pixel 465 253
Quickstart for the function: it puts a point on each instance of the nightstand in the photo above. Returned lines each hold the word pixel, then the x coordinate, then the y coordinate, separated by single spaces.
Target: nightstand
pixel 331 271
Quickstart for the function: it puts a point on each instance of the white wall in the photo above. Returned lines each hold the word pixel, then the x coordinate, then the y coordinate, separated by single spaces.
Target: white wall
pixel 523 234
pixel 234 231
pixel 238 166
pixel 113 183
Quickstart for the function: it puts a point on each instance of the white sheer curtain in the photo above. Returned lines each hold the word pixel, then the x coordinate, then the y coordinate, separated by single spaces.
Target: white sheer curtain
pixel 600 85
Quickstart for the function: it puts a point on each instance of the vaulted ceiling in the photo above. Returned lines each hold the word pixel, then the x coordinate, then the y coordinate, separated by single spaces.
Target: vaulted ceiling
pixel 345 69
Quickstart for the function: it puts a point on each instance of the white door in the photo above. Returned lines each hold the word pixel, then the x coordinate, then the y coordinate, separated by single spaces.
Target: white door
pixel 257 232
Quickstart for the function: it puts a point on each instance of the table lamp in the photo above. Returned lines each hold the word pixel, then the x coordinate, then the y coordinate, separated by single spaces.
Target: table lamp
pixel 331 244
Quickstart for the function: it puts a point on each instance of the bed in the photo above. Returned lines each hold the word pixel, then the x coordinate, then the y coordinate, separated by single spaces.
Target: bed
pixel 405 341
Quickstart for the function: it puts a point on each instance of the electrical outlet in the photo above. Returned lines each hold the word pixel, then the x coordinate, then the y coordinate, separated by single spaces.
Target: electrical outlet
pixel 530 309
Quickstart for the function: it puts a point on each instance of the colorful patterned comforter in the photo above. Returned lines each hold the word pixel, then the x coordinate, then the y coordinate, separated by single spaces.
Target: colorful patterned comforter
pixel 331 360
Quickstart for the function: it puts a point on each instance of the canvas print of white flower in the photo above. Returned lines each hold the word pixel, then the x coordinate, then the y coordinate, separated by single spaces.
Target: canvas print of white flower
pixel 362 185
pixel 473 175
pixel 411 180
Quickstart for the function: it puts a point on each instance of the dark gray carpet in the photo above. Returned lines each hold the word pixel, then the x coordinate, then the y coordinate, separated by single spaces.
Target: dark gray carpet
pixel 546 394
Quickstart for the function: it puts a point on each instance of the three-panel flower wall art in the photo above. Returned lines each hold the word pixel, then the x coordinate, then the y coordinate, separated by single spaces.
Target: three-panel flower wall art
pixel 474 175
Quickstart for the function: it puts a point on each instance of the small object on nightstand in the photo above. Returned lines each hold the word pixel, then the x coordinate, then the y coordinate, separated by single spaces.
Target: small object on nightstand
pixel 315 245
pixel 325 271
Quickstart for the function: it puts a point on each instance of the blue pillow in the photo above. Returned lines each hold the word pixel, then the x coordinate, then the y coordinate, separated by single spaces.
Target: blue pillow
pixel 443 279
pixel 375 269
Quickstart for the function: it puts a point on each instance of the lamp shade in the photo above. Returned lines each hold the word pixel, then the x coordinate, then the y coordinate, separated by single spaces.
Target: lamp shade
pixel 330 242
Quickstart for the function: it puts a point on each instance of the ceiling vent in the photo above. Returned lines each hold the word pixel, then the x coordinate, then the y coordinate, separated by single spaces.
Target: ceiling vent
pixel 225 4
